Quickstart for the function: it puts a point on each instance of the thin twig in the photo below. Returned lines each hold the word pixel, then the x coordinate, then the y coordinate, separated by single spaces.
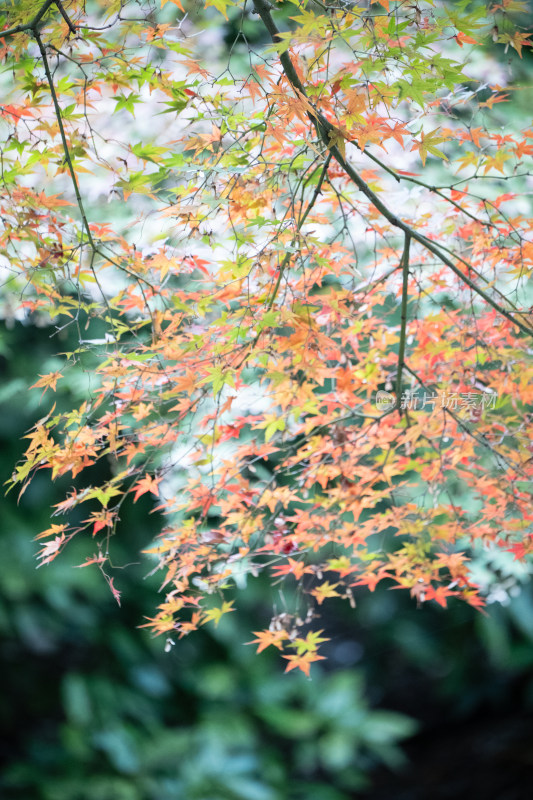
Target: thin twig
pixel 85 223
pixel 66 17
pixel 480 439
pixel 64 142
pixel 403 328
pixel 310 205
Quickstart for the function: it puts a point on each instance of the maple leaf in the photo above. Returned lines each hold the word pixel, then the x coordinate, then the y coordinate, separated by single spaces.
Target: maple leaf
pixel 146 484
pixel 302 662
pixel 496 162
pixel 520 550
pixel 517 40
pixel 439 594
pixel 50 549
pixel 469 159
pixel 356 101
pixel 324 591
pixel 293 567
pixel 428 144
pixel 309 644
pixel 176 3
pixel 49 381
pixel 475 135
pixel 97 559
pixel 54 530
pixel 337 139
pixel 215 614
pixel 495 98
pixel 220 5
pixel 523 149
pixel 163 623
pixel 114 591
pixel 343 565
pixel 269 638
pixel 462 38
pixel 101 519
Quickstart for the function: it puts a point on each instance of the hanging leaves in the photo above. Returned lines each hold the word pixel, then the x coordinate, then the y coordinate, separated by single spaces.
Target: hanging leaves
pixel 304 310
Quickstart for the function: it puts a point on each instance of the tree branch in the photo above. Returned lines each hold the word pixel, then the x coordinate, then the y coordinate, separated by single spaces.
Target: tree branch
pixel 262 8
pixel 65 16
pixel 480 439
pixel 66 151
pixel 324 128
pixel 425 242
pixel 301 221
pixel 403 328
pixel 29 26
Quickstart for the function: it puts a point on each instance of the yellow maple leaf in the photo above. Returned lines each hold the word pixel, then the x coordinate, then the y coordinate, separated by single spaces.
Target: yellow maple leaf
pixel 47 381
pixel 336 139
pixel 214 614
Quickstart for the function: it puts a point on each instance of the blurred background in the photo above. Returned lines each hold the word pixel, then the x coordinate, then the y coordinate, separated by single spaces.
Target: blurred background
pixel 411 703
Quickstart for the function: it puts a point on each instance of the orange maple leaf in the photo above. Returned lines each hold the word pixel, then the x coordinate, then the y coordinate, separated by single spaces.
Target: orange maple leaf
pixel 176 3
pixel 146 484
pixel 269 638
pixel 49 381
pixel 302 662
pixel 293 567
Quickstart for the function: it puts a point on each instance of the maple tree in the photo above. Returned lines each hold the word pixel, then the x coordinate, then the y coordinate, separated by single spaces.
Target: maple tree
pixel 307 328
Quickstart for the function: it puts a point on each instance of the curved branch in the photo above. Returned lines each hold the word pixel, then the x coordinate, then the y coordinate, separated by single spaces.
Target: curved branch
pixel 329 135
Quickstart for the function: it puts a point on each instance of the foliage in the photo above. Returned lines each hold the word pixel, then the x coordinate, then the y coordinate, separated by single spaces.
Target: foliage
pixel 308 338
pixel 93 708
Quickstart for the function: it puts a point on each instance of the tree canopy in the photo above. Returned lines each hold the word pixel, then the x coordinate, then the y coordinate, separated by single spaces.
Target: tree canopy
pixel 295 272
